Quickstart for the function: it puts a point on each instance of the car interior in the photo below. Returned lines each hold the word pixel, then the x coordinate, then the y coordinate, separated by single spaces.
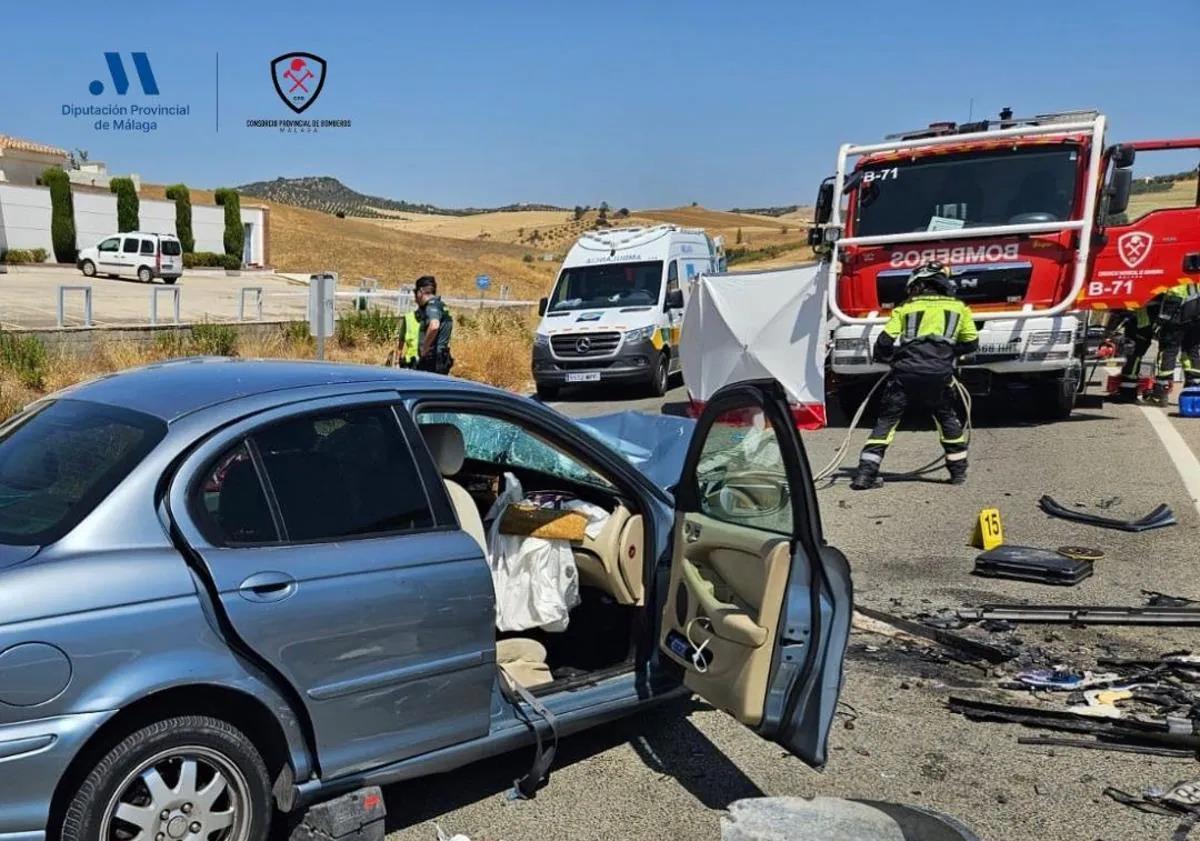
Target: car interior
pixel 473 453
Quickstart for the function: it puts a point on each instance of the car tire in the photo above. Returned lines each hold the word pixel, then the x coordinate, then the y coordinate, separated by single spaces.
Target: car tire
pixel 161 779
pixel 170 281
pixel 547 392
pixel 660 380
pixel 88 268
pixel 1056 400
pixel 145 275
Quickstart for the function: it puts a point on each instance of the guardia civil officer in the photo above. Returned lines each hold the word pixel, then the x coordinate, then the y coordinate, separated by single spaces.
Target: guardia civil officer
pixel 436 326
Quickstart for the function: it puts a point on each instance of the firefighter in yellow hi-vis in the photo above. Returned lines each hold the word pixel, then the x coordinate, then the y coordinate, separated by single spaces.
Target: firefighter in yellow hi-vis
pixel 922 342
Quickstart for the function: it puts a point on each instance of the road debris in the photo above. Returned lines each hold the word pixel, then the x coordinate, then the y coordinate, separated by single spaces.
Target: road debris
pixel 1117 747
pixel 1158 518
pixel 835 819
pixel 1028 563
pixel 1084 614
pixel 1181 800
pixel 957 646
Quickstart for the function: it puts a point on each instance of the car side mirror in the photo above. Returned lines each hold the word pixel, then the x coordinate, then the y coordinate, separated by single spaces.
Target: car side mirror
pixel 674 300
pixel 543 305
pixel 1120 184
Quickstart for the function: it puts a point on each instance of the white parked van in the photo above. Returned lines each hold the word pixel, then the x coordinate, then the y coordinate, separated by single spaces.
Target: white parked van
pixel 134 254
pixel 616 309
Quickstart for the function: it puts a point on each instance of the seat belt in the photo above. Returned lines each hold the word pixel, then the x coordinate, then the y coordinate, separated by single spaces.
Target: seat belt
pixel 526 787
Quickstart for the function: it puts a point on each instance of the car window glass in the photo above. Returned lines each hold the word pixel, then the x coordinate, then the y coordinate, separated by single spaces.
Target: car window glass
pixel 673 277
pixel 171 248
pixel 343 474
pixel 233 502
pixel 741 477
pixel 147 247
pixel 503 443
pixel 110 244
pixel 59 461
pixel 131 245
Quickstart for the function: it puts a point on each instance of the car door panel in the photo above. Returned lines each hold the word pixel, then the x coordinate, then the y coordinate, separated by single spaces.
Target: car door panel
pixel 757 608
pixel 387 641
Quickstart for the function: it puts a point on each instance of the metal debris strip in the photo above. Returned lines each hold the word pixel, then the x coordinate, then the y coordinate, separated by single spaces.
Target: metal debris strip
pixel 972 650
pixel 1160 517
pixel 1118 747
pixel 1085 614
pixel 1181 801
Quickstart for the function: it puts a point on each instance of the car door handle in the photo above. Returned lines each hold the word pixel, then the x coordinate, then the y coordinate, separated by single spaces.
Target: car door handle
pixel 267 587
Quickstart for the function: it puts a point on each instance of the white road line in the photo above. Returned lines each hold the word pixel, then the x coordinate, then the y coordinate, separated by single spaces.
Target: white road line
pixel 1180 453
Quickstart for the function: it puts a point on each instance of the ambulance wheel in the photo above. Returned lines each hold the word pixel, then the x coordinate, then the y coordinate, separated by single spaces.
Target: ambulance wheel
pixel 546 392
pixel 660 381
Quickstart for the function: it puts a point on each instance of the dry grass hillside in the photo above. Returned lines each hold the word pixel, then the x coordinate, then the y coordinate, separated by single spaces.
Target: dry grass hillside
pixel 308 240
pixel 1181 194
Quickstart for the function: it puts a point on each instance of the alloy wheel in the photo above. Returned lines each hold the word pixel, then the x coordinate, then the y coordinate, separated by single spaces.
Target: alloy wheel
pixel 189 793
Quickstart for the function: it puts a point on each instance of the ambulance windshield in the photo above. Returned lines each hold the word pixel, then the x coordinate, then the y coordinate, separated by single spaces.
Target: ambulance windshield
pixel 607 285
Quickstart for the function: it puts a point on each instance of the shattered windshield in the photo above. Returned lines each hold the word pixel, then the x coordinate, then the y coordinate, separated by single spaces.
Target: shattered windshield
pixel 608 285
pixel 956 191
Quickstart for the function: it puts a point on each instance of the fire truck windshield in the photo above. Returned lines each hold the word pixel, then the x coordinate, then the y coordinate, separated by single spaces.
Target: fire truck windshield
pixel 971 189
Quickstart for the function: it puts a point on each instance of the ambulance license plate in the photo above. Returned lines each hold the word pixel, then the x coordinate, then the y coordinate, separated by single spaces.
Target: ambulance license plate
pixel 584 377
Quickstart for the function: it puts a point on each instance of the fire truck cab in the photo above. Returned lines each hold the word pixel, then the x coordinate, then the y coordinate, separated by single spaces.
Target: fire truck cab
pixel 1016 208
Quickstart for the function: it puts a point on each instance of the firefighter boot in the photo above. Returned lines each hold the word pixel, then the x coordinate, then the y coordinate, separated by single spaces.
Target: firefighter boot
pixel 867 477
pixel 1127 393
pixel 1158 395
pixel 958 471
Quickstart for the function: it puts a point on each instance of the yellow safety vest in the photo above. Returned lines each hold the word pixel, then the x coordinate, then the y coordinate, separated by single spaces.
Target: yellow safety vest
pixel 412 336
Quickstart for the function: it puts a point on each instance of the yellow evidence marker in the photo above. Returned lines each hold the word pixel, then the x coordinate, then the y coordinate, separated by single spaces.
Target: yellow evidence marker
pixel 988 533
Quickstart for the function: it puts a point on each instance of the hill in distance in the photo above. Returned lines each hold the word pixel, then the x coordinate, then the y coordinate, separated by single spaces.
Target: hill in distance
pixel 329 195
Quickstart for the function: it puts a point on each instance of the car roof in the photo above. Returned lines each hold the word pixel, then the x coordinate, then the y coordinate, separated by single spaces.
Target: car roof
pixel 172 389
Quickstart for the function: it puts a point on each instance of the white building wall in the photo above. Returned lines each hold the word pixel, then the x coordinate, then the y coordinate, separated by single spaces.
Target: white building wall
pixel 25 218
pixel 95 217
pixel 157 216
pixel 208 227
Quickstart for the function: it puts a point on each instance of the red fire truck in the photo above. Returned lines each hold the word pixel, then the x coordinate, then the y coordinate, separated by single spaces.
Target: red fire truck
pixel 1029 213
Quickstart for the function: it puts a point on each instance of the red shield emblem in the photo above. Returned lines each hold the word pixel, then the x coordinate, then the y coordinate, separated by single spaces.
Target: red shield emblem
pixel 1133 247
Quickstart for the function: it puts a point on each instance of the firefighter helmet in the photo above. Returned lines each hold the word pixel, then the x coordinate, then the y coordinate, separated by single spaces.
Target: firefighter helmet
pixel 932 274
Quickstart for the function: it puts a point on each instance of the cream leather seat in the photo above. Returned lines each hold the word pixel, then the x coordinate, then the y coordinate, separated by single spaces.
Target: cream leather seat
pixel 523 661
pixel 445 442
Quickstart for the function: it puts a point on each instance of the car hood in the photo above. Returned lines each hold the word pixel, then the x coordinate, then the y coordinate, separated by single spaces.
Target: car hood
pixel 13 555
pixel 656 445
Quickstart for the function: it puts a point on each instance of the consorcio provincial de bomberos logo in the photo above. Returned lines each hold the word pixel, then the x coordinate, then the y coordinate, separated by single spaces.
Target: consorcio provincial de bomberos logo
pixel 121 105
pixel 298 78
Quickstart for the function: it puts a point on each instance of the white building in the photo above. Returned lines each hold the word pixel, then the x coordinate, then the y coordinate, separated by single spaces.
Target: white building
pixel 22 161
pixel 25 207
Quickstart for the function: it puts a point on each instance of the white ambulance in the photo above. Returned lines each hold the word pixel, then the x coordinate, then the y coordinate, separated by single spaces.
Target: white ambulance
pixel 615 311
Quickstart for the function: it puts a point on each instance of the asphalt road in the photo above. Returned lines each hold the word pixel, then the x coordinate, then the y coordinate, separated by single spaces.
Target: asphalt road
pixel 670 773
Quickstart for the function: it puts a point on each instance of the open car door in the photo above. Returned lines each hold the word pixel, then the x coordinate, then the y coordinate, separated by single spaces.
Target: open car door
pixel 758 608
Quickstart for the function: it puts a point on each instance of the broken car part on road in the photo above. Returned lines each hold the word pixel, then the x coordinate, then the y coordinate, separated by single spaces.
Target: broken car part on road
pixel 1028 563
pixel 1084 614
pixel 970 649
pixel 1118 747
pixel 1156 519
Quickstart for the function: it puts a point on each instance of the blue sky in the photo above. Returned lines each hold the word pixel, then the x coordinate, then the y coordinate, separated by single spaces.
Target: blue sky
pixel 638 104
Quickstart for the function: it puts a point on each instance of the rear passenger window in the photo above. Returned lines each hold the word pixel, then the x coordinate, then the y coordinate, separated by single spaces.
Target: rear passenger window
pixel 148 247
pixel 234 501
pixel 343 474
pixel 130 246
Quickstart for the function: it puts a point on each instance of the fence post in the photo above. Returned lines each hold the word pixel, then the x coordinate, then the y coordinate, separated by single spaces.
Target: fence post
pixel 154 293
pixel 258 297
pixel 87 303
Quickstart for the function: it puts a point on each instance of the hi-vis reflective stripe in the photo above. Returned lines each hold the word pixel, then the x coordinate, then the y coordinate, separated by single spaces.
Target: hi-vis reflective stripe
pixel 912 322
pixel 951 328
